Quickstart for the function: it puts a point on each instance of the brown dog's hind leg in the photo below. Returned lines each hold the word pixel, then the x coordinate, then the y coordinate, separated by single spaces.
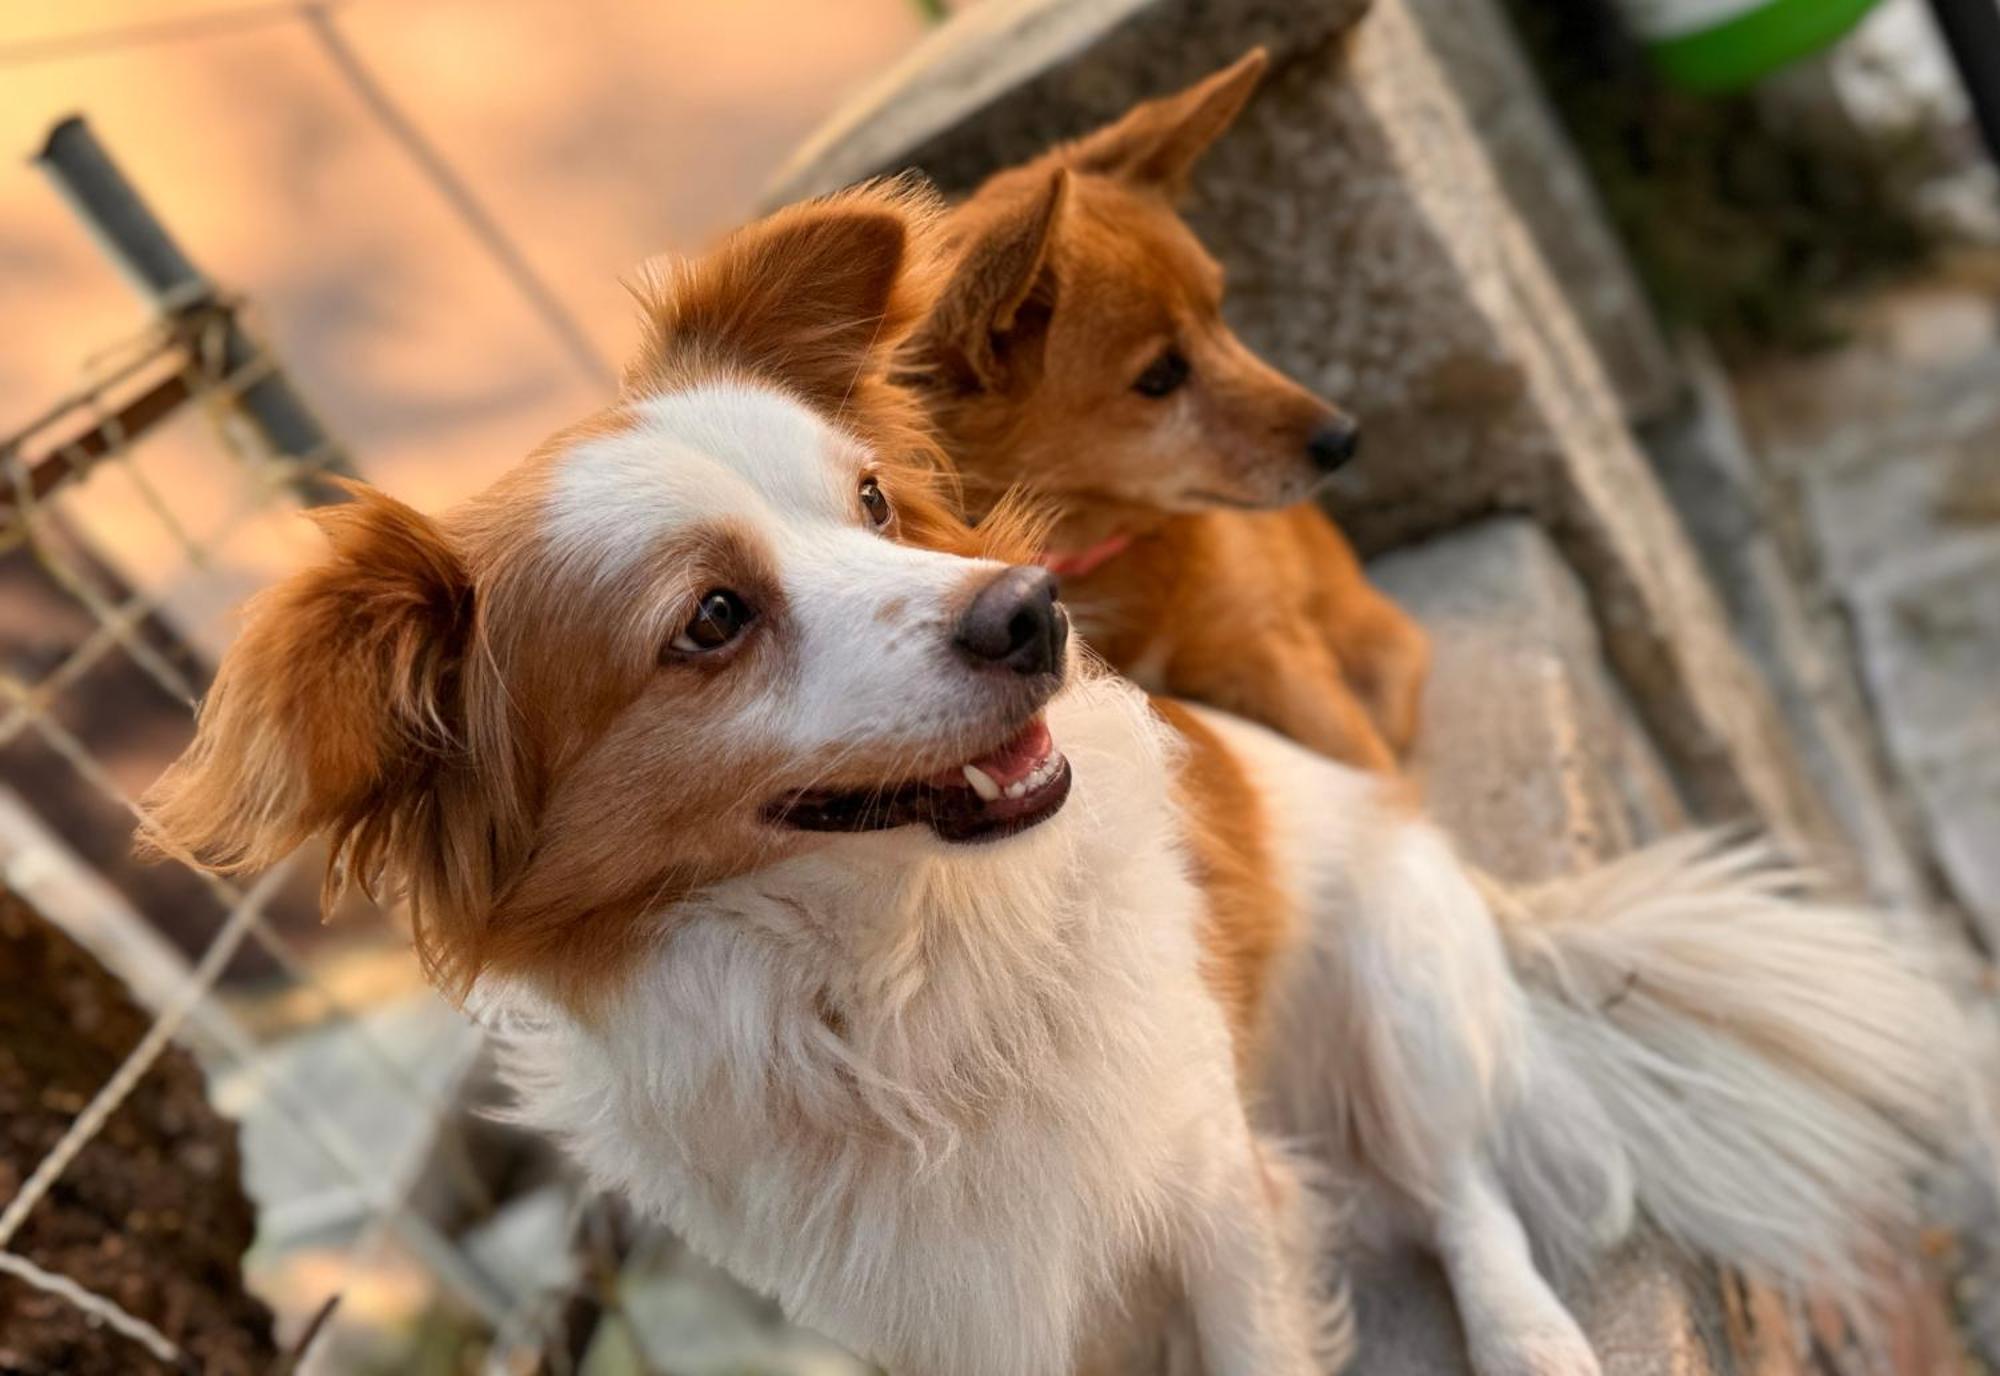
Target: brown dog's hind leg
pixel 1385 656
pixel 1294 685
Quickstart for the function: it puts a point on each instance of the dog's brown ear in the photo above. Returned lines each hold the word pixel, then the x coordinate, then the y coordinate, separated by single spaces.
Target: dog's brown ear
pixel 809 298
pixel 1003 259
pixel 1157 144
pixel 339 711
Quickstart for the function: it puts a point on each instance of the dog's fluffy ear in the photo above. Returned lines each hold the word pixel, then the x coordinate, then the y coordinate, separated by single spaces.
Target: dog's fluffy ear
pixel 1003 259
pixel 1157 144
pixel 339 711
pixel 810 298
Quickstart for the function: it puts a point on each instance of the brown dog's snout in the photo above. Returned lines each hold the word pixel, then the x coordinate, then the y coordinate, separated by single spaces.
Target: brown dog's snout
pixel 1015 623
pixel 1333 442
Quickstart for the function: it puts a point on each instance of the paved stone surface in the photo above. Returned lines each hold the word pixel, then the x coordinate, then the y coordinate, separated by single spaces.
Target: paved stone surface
pixel 1737 521
pixel 692 1319
pixel 1391 275
pixel 1890 447
pixel 1929 629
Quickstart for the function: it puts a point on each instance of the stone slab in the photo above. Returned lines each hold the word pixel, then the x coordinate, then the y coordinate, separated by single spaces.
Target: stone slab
pixel 1006 78
pixel 1888 447
pixel 1928 629
pixel 1648 1314
pixel 1960 797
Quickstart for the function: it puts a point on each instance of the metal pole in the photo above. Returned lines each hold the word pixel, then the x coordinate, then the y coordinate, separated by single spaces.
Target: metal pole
pixel 1972 32
pixel 128 231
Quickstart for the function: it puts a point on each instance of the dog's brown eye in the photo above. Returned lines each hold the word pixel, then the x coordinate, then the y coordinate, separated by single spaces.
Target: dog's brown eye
pixel 719 620
pixel 875 502
pixel 1162 375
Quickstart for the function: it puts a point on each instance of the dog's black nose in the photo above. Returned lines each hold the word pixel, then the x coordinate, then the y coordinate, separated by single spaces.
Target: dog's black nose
pixel 1333 444
pixel 1014 622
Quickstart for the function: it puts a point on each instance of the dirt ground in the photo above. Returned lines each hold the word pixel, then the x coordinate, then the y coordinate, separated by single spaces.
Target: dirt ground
pixel 151 1214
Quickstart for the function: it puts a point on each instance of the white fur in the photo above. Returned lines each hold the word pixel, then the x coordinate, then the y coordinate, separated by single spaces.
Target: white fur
pixel 718 450
pixel 872 644
pixel 1672 1035
pixel 1029 1104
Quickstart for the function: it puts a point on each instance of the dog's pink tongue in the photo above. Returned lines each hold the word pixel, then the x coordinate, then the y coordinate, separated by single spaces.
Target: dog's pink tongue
pixel 1014 760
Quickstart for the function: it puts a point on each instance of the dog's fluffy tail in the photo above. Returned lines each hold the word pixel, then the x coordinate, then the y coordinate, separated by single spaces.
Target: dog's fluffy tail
pixel 1759 1073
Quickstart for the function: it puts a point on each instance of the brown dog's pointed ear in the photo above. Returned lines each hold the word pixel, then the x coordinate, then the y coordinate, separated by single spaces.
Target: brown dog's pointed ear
pixel 339 712
pixel 1002 260
pixel 1157 144
pixel 810 297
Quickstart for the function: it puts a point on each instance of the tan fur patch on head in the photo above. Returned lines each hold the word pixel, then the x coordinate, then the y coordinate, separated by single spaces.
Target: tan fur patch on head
pixel 929 501
pixel 812 299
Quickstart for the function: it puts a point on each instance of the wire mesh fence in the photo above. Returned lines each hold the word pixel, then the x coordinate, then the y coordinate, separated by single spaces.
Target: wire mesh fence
pixel 122 645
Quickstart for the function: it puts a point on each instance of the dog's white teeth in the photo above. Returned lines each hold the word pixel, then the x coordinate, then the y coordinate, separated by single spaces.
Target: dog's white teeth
pixel 982 783
pixel 1018 787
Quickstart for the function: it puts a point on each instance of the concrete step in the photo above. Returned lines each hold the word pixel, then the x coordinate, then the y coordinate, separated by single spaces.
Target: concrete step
pixel 1531 755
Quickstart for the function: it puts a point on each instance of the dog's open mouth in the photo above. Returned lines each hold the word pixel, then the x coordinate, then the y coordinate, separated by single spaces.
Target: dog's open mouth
pixel 998 794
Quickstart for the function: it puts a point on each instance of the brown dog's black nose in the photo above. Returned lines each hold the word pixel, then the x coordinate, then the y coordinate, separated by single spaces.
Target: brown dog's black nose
pixel 1015 623
pixel 1333 444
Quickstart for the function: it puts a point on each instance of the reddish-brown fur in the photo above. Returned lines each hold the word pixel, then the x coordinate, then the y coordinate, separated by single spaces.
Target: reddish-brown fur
pixel 1073 273
pixel 416 696
pixel 1250 921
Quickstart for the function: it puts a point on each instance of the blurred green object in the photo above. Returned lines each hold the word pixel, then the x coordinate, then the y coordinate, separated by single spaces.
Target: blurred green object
pixel 1744 223
pixel 1724 45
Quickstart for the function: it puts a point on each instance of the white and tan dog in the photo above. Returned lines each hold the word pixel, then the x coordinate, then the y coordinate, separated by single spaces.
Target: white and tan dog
pixel 940 985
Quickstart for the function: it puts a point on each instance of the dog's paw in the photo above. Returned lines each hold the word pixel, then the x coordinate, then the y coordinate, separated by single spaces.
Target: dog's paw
pixel 1551 1346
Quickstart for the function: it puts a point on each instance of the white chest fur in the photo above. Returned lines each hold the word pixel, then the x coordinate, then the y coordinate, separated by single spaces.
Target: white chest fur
pixel 938 1100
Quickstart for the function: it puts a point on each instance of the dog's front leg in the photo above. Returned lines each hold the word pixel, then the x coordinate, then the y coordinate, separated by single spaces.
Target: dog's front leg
pixel 1514 1323
pixel 1249 1267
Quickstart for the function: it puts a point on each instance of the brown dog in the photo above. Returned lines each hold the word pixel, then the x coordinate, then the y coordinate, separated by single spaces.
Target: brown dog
pixel 1079 351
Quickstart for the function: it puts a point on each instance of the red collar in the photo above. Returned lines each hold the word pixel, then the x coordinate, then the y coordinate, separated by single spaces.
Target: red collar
pixel 1085 561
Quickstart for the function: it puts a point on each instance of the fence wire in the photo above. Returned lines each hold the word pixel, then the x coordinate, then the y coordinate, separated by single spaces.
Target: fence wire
pixel 45 468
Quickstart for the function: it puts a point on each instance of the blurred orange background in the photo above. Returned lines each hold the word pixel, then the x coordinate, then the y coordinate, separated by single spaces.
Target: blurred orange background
pixel 592 134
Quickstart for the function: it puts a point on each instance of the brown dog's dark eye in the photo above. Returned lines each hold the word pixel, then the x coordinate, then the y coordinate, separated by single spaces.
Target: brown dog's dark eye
pixel 875 502
pixel 1162 375
pixel 719 620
